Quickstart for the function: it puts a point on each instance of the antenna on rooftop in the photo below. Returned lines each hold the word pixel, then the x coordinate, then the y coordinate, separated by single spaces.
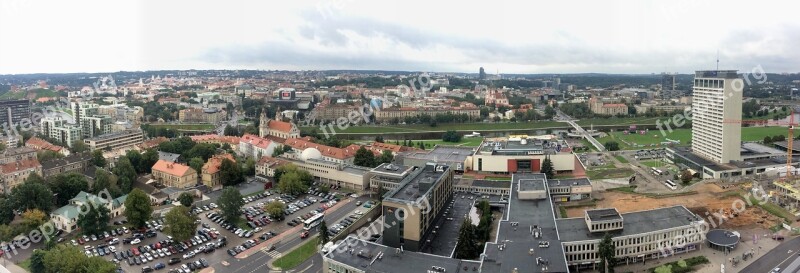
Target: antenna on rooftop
pixel 717 59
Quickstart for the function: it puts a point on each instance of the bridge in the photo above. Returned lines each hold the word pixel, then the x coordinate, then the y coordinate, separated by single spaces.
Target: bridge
pixel 578 129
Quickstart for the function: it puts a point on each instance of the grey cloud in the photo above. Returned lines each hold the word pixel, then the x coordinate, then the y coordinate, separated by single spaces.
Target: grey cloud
pixel 327 32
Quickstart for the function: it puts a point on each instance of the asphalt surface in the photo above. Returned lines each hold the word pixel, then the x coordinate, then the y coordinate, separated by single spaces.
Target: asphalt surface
pixel 257 261
pixel 781 256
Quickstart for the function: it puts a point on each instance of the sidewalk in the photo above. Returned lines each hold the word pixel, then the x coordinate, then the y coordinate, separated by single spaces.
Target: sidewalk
pixel 13 268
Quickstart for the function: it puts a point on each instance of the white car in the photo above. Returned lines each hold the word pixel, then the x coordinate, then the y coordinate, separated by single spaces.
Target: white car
pixel 112 248
pixel 136 241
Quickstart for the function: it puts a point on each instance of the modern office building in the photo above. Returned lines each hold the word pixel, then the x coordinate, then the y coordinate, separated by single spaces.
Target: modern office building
pixel 114 141
pixel 668 81
pixel 414 204
pixel 529 237
pixel 96 125
pixel 716 115
pixel 13 111
pixel 389 175
pixel 329 173
pixel 522 153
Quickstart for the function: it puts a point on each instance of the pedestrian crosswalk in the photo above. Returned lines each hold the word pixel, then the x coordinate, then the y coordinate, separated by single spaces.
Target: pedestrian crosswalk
pixel 273 254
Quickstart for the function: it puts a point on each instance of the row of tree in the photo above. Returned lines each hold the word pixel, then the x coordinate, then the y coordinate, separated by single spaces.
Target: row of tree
pixel 471 238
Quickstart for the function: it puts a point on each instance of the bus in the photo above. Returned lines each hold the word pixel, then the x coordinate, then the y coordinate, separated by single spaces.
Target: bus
pixel 313 221
pixel 671 185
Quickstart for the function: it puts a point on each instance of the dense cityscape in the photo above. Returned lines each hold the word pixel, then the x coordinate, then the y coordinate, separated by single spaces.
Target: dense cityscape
pixel 304 147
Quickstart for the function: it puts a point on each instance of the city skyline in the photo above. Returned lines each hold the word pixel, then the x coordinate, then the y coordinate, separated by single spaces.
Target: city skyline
pixel 615 37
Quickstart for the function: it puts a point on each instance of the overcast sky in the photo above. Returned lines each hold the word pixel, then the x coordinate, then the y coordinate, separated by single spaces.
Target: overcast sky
pixel 448 36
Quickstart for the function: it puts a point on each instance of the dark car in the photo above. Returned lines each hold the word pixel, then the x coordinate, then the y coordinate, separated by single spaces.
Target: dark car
pixel 232 252
pixel 174 261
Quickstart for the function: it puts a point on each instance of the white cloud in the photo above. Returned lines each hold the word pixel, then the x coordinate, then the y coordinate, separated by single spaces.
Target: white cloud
pixel 623 36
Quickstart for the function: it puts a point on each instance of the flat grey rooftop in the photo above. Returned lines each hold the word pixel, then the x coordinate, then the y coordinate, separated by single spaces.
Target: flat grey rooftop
pixel 516 240
pixel 491 184
pixel 391 168
pixel 574 229
pixel 532 184
pixel 603 214
pixel 410 190
pixel 568 182
pixel 444 154
pixel 408 261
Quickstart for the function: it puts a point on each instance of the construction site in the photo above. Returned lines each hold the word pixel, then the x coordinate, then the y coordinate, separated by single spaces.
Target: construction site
pixel 705 200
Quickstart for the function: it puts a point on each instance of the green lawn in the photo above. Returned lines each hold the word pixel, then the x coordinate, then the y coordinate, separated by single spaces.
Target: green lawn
pixel 13 95
pixel 608 173
pixel 25 264
pixel 621 159
pixel 444 127
pixel 298 255
pixel 652 163
pixel 654 137
pixel 184 126
pixel 618 121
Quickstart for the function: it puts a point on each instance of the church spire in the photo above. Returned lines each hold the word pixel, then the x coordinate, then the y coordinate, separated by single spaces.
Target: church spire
pixel 278 114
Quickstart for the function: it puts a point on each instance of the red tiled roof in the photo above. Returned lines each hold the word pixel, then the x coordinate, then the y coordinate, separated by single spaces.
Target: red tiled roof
pixel 171 168
pixel 233 140
pixel 255 141
pixel 280 126
pixel 41 144
pixel 21 165
pixel 212 166
pixel 271 161
pixel 328 151
pixel 152 143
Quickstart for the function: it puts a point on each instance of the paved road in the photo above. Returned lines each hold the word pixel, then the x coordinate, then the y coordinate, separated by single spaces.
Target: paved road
pixel 257 262
pixel 565 118
pixel 781 256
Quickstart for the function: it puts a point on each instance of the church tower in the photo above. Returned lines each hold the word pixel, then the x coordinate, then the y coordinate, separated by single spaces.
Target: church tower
pixel 263 126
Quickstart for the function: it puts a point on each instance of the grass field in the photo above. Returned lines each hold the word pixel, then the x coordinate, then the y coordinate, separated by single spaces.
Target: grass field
pixel 653 137
pixel 25 264
pixel 444 127
pixel 621 159
pixel 298 255
pixel 184 126
pixel 40 93
pixel 618 121
pixel 609 173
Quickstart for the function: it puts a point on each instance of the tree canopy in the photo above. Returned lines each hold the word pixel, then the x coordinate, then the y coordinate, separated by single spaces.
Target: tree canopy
pixel 230 202
pixel 364 158
pixel 32 195
pixel 95 220
pixel 186 199
pixel 137 208
pixel 180 223
pixel 229 173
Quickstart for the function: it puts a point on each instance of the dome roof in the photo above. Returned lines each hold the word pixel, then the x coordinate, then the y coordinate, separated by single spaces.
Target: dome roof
pixel 310 153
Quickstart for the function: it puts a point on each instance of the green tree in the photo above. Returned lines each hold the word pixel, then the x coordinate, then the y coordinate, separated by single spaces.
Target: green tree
pixel 149 158
pixel 386 156
pixel 201 150
pixel 230 202
pixel 68 258
pixel 229 173
pixel 364 158
pixel 466 247
pixel 180 223
pixel 767 140
pixel 275 209
pixel 323 232
pixel 32 195
pixel 98 159
pixel 547 168
pixel 249 167
pixel 667 268
pixel 291 183
pixel 126 173
pixel 136 159
pixel 186 199
pixel 686 177
pixel 47 155
pixel 451 136
pixel 67 186
pixel 95 220
pixel 37 261
pixel 6 210
pixel 606 252
pixel 611 145
pixel 79 146
pixel 104 180
pixel 33 218
pixel 137 208
pixel 197 164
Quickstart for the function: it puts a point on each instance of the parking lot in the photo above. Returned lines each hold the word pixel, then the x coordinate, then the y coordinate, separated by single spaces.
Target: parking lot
pixel 150 249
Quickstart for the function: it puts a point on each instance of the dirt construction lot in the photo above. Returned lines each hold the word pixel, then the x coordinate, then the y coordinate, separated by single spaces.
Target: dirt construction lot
pixel 709 199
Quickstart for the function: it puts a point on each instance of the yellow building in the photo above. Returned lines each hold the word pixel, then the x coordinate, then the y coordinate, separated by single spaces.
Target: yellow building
pixel 211 170
pixel 174 174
